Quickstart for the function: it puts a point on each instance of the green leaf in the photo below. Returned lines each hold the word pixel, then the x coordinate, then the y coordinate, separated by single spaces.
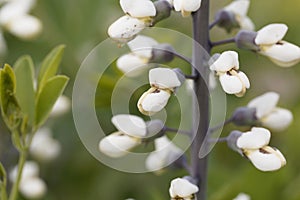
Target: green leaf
pixel 2 172
pixel 9 106
pixel 50 65
pixel 25 93
pixel 47 97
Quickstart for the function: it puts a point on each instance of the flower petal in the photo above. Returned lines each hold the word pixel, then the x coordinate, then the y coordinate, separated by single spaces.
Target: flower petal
pixel 226 61
pixel 117 144
pixel 244 79
pixel 271 34
pixel 283 53
pixel 138 8
pixel 31 169
pixel 264 104
pixel 266 158
pixel 254 139
pixel 3 47
pixel 61 106
pixel 278 120
pixel 164 78
pixel 246 24
pixel 238 7
pixel 131 64
pixel 125 28
pixel 153 101
pixel 33 188
pixel 142 46
pixel 130 124
pixel 231 84
pixel 182 188
pixel 242 196
pixel 191 5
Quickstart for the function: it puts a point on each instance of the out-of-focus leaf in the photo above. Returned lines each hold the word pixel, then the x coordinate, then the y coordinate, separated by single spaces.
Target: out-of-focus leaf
pixel 50 65
pixel 25 93
pixel 47 97
pixel 2 182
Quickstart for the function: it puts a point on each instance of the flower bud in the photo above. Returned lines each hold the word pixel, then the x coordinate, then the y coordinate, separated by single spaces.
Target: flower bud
pixel 246 40
pixel 226 20
pixel 232 141
pixel 163 11
pixel 162 53
pixel 33 188
pixel 244 116
pixel 182 189
pixel 154 127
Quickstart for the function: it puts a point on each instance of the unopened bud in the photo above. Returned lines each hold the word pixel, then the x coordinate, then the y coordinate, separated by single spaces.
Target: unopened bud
pixel 163 10
pixel 226 20
pixel 244 116
pixel 162 53
pixel 154 127
pixel 232 141
pixel 246 40
pixel 179 163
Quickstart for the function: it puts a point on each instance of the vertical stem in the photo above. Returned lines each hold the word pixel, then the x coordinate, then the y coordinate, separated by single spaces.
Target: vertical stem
pixel 200 127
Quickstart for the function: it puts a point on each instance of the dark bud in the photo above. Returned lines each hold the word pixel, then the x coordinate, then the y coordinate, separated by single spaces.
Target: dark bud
pixel 226 20
pixel 162 53
pixel 246 40
pixel 232 140
pixel 244 116
pixel 163 11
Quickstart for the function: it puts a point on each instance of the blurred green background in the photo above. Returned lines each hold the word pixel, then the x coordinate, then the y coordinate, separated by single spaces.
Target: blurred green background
pixel 76 175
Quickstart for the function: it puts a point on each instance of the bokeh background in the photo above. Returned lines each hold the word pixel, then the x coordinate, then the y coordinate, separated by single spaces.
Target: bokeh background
pixel 76 175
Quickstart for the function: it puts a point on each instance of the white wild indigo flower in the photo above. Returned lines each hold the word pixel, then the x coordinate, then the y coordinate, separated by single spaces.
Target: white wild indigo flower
pixel 131 130
pixel 163 83
pixel 141 52
pixel 165 153
pixel 239 9
pixel 268 114
pixel 139 14
pixel 182 189
pixel 31 186
pixel 242 196
pixel 61 106
pixel 254 145
pixel 43 146
pixel 232 80
pixel 186 7
pixel 269 39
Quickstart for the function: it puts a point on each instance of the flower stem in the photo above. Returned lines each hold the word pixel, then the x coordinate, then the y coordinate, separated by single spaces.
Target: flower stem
pixel 201 48
pixel 221 125
pixel 214 23
pixel 221 42
pixel 188 133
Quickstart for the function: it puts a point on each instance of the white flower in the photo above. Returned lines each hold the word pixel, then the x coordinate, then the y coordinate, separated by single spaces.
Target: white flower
pixel 186 6
pixel 232 80
pixel 138 16
pixel 31 186
pixel 254 146
pixel 182 189
pixel 131 129
pixel 268 114
pixel 282 53
pixel 163 82
pixel 141 52
pixel 14 18
pixel 61 106
pixel 165 153
pixel 43 146
pixel 240 8
pixel 242 196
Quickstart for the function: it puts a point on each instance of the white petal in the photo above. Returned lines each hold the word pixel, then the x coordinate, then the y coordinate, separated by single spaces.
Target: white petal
pixel 125 28
pixel 254 139
pixel 212 81
pixel 283 53
pixel 264 104
pixel 33 188
pixel 142 46
pixel 31 169
pixel 182 188
pixel 278 119
pixel 238 7
pixel 177 5
pixel 155 162
pixel 266 159
pixel 271 34
pixel 61 106
pixel 117 144
pixel 191 5
pixel 138 8
pixel 25 27
pixel 164 78
pixel 226 61
pixel 153 101
pixel 130 124
pixel 244 79
pixel 246 24
pixel 131 64
pixel 231 84
pixel 242 196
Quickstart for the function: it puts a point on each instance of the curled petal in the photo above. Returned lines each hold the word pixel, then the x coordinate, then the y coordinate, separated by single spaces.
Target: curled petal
pixel 125 28
pixel 138 8
pixel 142 46
pixel 130 124
pixel 231 84
pixel 33 188
pixel 131 64
pixel 153 101
pixel 266 158
pixel 244 79
pixel 239 7
pixel 254 139
pixel 283 53
pixel 264 104
pixel 271 34
pixel 164 78
pixel 117 144
pixel 182 188
pixel 278 119
pixel 227 60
